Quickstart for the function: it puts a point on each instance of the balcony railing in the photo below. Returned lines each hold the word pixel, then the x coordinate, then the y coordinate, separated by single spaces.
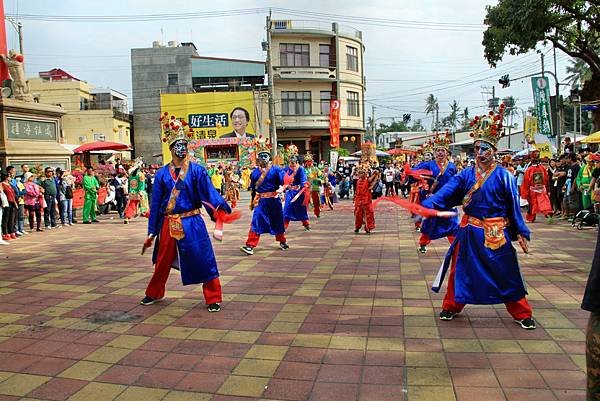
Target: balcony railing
pixel 327 73
pixel 302 121
pixel 278 25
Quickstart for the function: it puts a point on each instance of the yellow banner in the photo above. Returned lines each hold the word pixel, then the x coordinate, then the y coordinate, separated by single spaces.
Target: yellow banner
pixel 212 115
pixel 531 128
pixel 545 149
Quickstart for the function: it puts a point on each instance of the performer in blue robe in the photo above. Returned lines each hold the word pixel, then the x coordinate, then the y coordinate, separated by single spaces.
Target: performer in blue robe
pixel 267 216
pixel 442 170
pixel 295 207
pixel 483 263
pixel 180 190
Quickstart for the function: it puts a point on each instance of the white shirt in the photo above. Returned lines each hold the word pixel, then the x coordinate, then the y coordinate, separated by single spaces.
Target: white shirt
pixel 389 174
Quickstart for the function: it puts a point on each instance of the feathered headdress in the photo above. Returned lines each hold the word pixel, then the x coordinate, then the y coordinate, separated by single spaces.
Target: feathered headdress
pixel 263 145
pixel 442 141
pixel 292 150
pixel 308 156
pixel 427 147
pixel 173 129
pixel 488 128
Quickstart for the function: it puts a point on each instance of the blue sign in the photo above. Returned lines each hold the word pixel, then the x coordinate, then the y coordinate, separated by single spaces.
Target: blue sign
pixel 212 120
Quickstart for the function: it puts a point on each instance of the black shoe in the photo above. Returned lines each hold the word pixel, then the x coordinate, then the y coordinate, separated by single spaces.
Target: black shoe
pixel 74 221
pixel 368 232
pixel 248 250
pixel 527 323
pixel 418 229
pixel 447 315
pixel 356 231
pixel 284 246
pixel 147 300
pixel 423 249
pixel 125 221
pixel 307 228
pixel 214 307
pixel 87 222
pixel 95 221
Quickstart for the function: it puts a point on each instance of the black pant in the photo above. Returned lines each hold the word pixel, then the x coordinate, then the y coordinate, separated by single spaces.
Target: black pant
pixel 389 188
pixel 49 211
pixel 120 205
pixel 34 210
pixel 9 218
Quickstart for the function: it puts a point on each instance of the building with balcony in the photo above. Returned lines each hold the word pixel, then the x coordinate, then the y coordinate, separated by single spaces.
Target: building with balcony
pixel 177 68
pixel 312 64
pixel 92 114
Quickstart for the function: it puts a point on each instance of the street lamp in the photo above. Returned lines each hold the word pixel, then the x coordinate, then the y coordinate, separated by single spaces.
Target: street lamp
pixel 575 99
pixel 19 28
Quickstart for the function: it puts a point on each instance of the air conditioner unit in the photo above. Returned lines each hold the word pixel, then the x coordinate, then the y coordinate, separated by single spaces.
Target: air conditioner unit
pixel 102 137
pixel 82 138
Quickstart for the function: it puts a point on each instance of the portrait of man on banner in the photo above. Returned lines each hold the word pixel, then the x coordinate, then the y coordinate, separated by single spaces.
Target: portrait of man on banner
pixel 240 118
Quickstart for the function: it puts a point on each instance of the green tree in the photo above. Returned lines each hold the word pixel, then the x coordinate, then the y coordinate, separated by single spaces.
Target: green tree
pixel 579 73
pixel 432 107
pixel 573 26
pixel 417 125
pixel 464 125
pixel 453 116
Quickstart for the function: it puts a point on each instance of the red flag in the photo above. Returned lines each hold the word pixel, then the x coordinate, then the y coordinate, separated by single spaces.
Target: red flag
pixel 334 123
pixel 3 47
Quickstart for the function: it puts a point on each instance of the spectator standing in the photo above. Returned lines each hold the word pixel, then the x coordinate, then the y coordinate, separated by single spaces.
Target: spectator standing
pixel 571 197
pixel 388 175
pixel 3 204
pixel 33 201
pixel 65 188
pixel 583 180
pixel 48 184
pixel 119 183
pixel 19 190
pixel 9 213
pixel 568 148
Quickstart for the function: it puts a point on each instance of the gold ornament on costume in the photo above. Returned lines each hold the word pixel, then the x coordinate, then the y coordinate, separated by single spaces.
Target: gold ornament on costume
pixel 427 147
pixel 488 128
pixel 442 141
pixel 263 145
pixel 308 156
pixel 174 129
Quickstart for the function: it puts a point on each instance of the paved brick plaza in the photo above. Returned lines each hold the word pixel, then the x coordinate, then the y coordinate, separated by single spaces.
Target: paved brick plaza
pixel 337 317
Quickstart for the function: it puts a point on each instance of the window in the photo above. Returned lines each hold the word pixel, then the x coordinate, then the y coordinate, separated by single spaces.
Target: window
pixel 325 102
pixel 84 104
pixel 352 58
pixel 324 51
pixel 294 55
pixel 173 79
pixel 295 103
pixel 353 106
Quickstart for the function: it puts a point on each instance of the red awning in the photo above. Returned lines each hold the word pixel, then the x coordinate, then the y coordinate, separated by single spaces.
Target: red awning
pixel 101 145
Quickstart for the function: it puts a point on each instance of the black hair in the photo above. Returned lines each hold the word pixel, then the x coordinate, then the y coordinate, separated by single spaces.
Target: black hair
pixel 8 168
pixel 3 176
pixel 48 168
pixel 242 109
pixel 572 157
pixel 24 164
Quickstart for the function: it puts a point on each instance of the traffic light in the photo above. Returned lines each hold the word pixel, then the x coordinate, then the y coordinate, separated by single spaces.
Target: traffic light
pixel 406 118
pixel 504 81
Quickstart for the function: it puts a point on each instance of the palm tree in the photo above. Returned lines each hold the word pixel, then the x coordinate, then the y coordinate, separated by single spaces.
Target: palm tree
pixel 432 107
pixel 465 119
pixel 579 72
pixel 453 116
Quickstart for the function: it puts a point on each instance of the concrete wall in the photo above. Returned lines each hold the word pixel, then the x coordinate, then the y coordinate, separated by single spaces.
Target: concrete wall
pixel 149 71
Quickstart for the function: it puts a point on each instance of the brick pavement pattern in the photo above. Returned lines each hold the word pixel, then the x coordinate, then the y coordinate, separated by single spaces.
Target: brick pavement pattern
pixel 339 316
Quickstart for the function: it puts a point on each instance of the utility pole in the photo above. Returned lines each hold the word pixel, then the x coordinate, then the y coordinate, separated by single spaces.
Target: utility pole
pixel 494 98
pixel 373 125
pixel 271 90
pixel 557 110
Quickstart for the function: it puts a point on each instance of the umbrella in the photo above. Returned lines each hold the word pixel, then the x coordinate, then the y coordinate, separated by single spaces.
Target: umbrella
pixel 592 138
pixel 378 153
pixel 100 145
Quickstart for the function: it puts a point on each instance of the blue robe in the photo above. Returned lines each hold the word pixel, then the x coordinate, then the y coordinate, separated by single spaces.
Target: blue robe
pixel 196 258
pixel 437 227
pixel 483 276
pixel 268 214
pixel 295 211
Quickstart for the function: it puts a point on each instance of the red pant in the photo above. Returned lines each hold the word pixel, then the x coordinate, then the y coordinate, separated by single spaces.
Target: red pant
pixel 424 240
pixel 519 310
pixel 167 252
pixel 316 200
pixel 286 223
pixel 364 215
pixel 132 208
pixel 253 238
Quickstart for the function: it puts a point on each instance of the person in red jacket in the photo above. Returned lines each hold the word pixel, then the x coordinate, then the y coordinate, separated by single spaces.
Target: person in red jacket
pixel 535 188
pixel 363 203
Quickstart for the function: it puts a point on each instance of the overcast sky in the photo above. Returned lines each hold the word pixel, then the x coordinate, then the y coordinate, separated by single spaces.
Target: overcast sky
pixel 403 64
